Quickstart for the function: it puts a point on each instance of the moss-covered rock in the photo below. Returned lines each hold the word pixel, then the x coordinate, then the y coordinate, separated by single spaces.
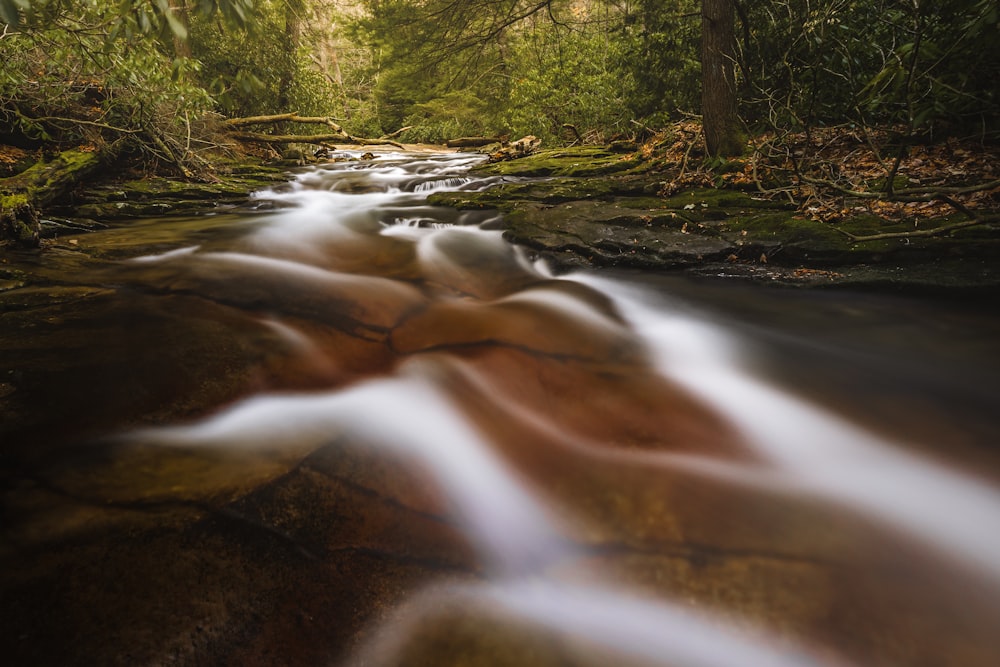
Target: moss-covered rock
pixel 592 207
pixel 155 196
pixel 579 161
pixel 18 220
pixel 23 195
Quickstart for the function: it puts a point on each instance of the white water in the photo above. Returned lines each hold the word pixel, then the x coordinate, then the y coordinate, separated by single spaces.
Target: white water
pixel 816 451
pixel 528 536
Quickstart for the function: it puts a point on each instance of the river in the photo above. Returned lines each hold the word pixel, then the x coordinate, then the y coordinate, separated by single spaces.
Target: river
pixel 341 426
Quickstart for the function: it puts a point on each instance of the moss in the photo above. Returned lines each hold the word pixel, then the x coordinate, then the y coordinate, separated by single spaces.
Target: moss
pixel 160 196
pixel 18 220
pixel 898 183
pixel 508 196
pixel 577 162
pixel 464 201
pixel 12 202
pixel 712 198
pixel 643 203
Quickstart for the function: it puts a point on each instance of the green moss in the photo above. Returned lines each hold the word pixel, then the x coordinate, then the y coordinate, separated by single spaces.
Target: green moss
pixel 12 202
pixel 161 196
pixel 18 220
pixel 712 198
pixel 577 162
pixel 492 198
pixel 898 183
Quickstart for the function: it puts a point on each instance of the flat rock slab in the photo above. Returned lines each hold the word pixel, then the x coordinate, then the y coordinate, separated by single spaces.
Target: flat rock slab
pixel 594 208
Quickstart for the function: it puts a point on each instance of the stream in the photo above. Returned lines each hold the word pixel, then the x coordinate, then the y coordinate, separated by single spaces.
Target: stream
pixel 340 426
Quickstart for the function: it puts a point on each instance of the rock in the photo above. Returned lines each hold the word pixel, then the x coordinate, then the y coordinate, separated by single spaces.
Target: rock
pixel 592 207
pixel 292 561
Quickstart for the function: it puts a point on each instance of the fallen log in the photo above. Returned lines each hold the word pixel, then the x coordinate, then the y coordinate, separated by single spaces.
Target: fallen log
pixel 292 117
pixel 338 136
pixel 472 142
pixel 342 138
pixel 24 195
pixel 520 148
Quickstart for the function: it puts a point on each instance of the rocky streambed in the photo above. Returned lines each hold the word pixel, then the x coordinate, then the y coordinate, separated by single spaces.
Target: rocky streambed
pixel 334 424
pixel 594 207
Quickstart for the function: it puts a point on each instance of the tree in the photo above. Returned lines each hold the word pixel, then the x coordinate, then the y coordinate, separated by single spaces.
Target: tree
pixel 659 44
pixel 720 120
pixel 293 15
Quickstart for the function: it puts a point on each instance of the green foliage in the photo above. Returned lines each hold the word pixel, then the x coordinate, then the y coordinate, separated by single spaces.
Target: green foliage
pixel 927 66
pixel 242 69
pixel 60 68
pixel 560 76
pixel 264 69
pixel 943 69
pixel 659 48
pixel 107 69
pixel 135 16
pixel 491 67
pixel 480 72
pixel 451 115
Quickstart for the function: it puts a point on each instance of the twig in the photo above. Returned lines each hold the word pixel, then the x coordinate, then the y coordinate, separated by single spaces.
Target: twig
pixel 79 121
pixel 905 195
pixel 159 143
pixel 922 233
pixel 684 160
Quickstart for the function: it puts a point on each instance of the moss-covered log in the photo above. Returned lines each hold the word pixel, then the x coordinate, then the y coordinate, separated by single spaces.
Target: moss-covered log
pixel 338 135
pixel 23 196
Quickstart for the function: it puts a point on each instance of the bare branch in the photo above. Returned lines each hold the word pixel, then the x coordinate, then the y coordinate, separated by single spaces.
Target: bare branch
pixel 921 233
pixel 393 135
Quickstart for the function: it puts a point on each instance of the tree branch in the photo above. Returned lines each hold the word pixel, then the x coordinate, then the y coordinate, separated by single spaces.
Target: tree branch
pixel 921 233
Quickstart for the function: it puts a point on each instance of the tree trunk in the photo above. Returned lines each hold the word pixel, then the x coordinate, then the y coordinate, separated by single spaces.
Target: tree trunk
pixel 294 10
pixel 182 47
pixel 723 130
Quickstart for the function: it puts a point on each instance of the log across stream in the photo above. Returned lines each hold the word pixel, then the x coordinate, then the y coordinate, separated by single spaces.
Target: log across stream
pixel 342 426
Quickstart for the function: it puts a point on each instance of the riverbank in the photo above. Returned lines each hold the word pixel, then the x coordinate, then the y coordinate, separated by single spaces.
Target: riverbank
pixel 596 207
pixel 591 207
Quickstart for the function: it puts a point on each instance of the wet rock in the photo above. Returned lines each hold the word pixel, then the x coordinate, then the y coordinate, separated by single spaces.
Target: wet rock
pixel 592 207
pixel 152 196
pixel 285 567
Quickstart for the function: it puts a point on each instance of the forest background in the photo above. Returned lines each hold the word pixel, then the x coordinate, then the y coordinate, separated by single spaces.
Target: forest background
pixel 154 78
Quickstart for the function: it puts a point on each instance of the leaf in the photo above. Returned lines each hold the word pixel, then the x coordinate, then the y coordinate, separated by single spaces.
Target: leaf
pixel 9 13
pixel 176 27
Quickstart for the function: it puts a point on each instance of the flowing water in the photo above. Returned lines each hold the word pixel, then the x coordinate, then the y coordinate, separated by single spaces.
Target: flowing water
pixel 348 427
